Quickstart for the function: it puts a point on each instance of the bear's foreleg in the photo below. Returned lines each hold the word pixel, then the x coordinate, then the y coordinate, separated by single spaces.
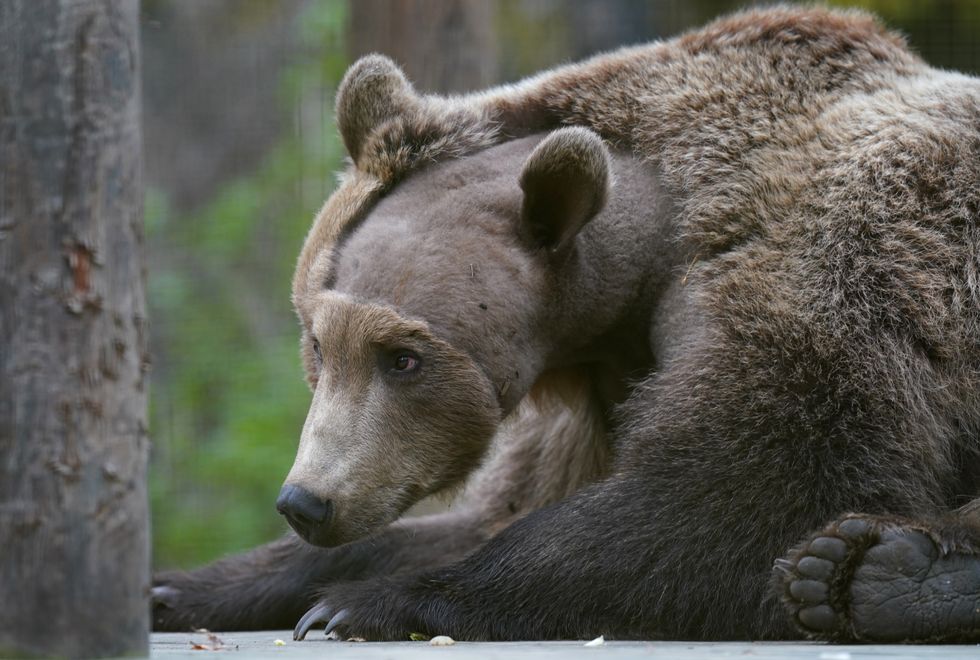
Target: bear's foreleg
pixel 557 573
pixel 272 585
pixel 261 588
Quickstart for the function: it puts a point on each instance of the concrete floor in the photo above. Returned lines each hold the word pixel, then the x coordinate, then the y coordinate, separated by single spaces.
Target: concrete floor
pixel 262 644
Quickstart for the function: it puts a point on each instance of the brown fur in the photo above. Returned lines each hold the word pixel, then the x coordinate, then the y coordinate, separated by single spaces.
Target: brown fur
pixel 771 322
pixel 552 445
pixel 356 428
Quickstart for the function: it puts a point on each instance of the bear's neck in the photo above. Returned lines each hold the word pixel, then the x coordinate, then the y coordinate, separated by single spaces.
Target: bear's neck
pixel 609 287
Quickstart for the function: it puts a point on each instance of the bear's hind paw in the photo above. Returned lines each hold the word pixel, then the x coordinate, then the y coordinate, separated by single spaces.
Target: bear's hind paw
pixel 865 578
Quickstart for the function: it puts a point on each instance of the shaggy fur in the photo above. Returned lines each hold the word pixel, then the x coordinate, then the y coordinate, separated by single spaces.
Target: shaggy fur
pixel 771 323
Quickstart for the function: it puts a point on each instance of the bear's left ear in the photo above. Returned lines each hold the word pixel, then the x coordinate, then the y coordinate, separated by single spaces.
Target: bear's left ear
pixel 565 181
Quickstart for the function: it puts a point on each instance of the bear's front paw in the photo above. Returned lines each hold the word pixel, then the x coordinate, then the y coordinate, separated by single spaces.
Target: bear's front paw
pixel 176 604
pixel 376 610
pixel 875 579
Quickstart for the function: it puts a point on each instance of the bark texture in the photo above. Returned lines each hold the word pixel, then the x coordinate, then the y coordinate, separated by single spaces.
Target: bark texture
pixel 74 566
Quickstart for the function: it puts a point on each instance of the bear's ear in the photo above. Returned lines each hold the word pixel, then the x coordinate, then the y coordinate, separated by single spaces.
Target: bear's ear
pixel 373 90
pixel 565 181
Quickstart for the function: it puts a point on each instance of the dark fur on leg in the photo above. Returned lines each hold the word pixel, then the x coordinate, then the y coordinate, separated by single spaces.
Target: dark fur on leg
pixel 271 586
pixel 532 581
pixel 267 587
pixel 589 565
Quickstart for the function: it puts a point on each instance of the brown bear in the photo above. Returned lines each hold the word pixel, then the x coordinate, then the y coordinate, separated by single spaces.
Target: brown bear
pixel 660 316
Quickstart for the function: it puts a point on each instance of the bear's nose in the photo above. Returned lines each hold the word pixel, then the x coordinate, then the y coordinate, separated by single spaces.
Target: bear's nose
pixel 305 512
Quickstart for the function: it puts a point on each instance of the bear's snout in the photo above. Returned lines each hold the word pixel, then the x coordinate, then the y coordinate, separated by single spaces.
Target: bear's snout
pixel 306 513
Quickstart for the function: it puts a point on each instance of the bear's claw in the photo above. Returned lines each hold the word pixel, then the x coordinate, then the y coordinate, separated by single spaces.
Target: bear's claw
pixel 377 610
pixel 336 620
pixel 875 580
pixel 164 596
pixel 319 613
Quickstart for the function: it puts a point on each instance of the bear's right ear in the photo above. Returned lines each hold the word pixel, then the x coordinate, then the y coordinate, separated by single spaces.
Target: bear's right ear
pixel 565 181
pixel 373 90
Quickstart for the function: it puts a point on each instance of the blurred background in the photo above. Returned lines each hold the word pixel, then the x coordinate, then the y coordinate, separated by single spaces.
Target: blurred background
pixel 241 150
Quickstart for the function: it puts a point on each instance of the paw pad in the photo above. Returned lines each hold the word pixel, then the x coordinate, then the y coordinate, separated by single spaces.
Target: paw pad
pixel 884 581
pixel 816 577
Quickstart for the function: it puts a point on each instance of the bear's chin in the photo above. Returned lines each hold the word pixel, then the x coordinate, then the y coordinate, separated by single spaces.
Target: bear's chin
pixel 342 533
pixel 330 538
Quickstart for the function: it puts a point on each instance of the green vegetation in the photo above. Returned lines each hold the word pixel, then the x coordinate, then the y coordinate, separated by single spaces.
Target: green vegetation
pixel 228 396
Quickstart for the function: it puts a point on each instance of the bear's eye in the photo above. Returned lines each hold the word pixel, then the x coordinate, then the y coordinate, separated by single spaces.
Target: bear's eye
pixel 406 363
pixel 316 351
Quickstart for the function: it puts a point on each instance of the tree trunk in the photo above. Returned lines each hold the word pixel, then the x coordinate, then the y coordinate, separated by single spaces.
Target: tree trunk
pixel 443 45
pixel 74 561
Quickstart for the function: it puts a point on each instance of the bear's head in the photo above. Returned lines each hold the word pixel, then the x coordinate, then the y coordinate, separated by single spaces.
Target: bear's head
pixel 424 292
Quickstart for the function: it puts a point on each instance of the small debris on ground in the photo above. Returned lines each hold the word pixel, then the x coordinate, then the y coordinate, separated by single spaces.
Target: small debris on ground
pixel 418 637
pixel 279 642
pixel 214 642
pixel 442 640
pixel 598 641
